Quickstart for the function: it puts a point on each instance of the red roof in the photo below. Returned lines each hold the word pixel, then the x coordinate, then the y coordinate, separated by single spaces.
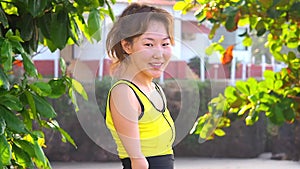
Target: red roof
pixel 154 2
pixel 193 27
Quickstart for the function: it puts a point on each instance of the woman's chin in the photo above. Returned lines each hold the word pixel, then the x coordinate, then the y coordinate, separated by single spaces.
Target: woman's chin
pixel 157 74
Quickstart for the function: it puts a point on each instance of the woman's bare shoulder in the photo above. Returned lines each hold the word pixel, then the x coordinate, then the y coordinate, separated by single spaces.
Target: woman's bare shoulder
pixel 124 98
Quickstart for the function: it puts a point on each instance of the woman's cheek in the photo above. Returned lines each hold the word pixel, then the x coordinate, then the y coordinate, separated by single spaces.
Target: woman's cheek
pixel 168 53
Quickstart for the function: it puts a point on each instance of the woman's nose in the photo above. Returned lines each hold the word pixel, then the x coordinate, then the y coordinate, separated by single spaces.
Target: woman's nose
pixel 158 52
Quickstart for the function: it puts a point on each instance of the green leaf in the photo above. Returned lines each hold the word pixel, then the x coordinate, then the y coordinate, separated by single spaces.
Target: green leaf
pixel 249 121
pixel 41 88
pixel 6 55
pixel 59 28
pixel 278 84
pixel 293 42
pixel 22 158
pixel 15 39
pixel 111 13
pixel 200 15
pixel 63 66
pixel 268 83
pixel 269 74
pixel 26 146
pixel 65 136
pixel 11 102
pixel 39 153
pixel 2 125
pixel 275 47
pixel 235 1
pixel 43 23
pixel 222 38
pixel 33 42
pixel 209 50
pixel 252 83
pixel 4 82
pixel 5 151
pixel 179 6
pixel 26 26
pixel 95 25
pixel 52 47
pixel 58 88
pixel 27 118
pixel 243 21
pixel 73 98
pixel 243 87
pixel 3 19
pixel 30 101
pixel 29 66
pixel 247 41
pixel 213 30
pixel 101 2
pixel 278 56
pixel 244 109
pixel 263 107
pixel 278 117
pixel 260 28
pixel 17 45
pixel 43 107
pixel 74 31
pixel 219 48
pixel 9 33
pixel 230 23
pixel 12 121
pixel 291 55
pixel 79 89
pixel 230 92
pixel 253 98
pixel 252 21
pixel 220 132
pixel 36 7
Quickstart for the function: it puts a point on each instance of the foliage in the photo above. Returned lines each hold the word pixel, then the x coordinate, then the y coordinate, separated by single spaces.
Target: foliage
pixel 24 106
pixel 101 90
pixel 278 94
pixel 194 64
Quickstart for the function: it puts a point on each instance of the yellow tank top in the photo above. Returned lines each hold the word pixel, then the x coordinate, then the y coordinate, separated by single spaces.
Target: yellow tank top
pixel 156 127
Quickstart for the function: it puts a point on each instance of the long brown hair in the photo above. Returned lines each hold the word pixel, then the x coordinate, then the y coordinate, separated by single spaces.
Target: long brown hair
pixel 132 23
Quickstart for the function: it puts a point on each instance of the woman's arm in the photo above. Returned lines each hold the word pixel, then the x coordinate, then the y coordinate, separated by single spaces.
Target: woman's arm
pixel 125 110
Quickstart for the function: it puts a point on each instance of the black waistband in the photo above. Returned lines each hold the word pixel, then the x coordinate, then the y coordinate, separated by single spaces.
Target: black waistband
pixel 155 162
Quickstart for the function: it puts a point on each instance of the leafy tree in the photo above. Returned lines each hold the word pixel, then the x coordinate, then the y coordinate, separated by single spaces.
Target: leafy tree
pixel 194 64
pixel 277 96
pixel 24 109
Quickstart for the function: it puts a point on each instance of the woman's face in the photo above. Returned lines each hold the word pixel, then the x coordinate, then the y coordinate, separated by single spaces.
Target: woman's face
pixel 151 52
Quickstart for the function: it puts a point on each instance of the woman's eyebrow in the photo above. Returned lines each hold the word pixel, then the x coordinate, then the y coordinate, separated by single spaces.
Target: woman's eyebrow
pixel 166 38
pixel 151 39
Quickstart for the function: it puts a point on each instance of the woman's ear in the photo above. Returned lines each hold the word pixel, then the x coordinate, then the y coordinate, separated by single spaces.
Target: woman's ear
pixel 126 46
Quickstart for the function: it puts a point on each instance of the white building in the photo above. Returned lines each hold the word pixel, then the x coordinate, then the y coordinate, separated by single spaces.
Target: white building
pixel 88 61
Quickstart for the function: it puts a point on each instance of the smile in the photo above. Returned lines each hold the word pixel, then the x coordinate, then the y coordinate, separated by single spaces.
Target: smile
pixel 156 65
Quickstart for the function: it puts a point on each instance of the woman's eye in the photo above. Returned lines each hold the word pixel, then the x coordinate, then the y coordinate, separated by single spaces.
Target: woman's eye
pixel 148 44
pixel 165 44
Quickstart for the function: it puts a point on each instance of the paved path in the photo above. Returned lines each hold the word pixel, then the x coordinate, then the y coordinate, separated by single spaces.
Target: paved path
pixel 195 163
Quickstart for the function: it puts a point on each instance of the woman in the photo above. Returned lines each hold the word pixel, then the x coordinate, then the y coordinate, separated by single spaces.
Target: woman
pixel 139 44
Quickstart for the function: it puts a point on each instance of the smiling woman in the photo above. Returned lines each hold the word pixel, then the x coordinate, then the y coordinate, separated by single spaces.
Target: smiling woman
pixel 150 52
pixel 140 44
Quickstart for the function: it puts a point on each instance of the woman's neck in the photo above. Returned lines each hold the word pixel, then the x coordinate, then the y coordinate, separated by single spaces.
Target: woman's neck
pixel 140 79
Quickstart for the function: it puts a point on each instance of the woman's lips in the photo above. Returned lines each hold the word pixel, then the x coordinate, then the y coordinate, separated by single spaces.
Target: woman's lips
pixel 156 65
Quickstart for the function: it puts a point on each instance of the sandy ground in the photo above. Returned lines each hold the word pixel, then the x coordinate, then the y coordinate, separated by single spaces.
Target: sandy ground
pixel 262 162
